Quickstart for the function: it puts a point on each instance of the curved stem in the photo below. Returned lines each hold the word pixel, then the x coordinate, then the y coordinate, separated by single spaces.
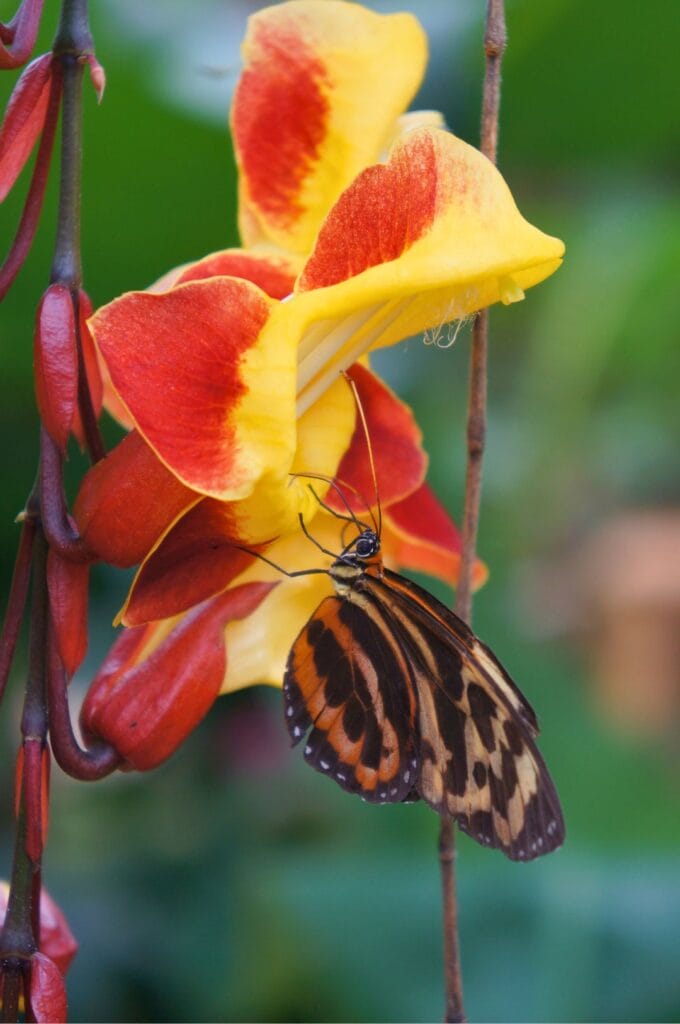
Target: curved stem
pixel 86 765
pixel 494 47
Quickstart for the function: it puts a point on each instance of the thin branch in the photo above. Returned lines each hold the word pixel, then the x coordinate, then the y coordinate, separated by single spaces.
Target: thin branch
pixel 52 525
pixel 18 938
pixel 16 602
pixel 494 47
pixel 453 1010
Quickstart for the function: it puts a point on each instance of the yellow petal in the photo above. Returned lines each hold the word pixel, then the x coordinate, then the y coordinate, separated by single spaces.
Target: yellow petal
pixel 257 647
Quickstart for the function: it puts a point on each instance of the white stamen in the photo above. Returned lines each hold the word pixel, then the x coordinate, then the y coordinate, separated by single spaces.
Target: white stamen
pixel 326 347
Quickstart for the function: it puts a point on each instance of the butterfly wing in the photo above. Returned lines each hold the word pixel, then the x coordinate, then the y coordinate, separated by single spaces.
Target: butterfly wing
pixel 477 760
pixel 349 681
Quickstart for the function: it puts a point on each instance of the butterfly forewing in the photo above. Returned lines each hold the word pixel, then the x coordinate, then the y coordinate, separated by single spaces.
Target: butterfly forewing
pixel 345 678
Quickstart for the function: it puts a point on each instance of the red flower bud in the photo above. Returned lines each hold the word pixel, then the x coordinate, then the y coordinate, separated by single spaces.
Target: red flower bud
pixel 56 938
pixel 47 995
pixel 155 687
pixel 24 120
pixel 21 33
pixel 91 364
pixel 32 775
pixel 67 584
pixel 55 358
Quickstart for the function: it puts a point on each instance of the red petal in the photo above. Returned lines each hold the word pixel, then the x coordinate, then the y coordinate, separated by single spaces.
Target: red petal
pixel 147 710
pixel 176 361
pixel 386 209
pixel 275 275
pixel 22 33
pixel 56 938
pixel 400 462
pixel 56 362
pixel 24 120
pixel 127 501
pixel 283 88
pixel 48 992
pixel 419 535
pixel 194 561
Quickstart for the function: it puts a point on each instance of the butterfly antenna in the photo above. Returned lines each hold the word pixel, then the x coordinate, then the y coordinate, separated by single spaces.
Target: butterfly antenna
pixel 371 460
pixel 309 536
pixel 352 518
pixel 279 568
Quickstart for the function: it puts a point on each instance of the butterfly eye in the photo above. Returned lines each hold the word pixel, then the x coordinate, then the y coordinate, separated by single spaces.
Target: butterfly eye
pixel 368 544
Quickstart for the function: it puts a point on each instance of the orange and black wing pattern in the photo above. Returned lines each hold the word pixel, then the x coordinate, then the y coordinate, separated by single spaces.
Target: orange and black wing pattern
pixel 400 699
pixel 347 680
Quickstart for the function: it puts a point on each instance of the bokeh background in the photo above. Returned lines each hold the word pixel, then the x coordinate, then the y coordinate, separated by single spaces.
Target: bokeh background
pixel 236 884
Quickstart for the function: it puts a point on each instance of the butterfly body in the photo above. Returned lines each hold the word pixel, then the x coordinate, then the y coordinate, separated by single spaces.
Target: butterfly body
pixel 400 700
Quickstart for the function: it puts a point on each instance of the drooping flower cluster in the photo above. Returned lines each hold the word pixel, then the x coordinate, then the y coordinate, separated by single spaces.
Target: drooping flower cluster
pixel 361 226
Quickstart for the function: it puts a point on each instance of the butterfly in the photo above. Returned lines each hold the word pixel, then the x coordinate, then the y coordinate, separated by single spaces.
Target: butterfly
pixel 397 700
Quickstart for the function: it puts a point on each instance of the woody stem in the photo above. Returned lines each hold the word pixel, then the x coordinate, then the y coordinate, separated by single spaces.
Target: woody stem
pixel 20 934
pixel 494 47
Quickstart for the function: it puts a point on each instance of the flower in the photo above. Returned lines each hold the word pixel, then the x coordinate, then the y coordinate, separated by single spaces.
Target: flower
pixel 362 226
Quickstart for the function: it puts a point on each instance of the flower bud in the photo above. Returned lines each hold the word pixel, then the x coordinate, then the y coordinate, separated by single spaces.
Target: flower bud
pixel 47 994
pixel 24 120
pixel 159 680
pixel 68 584
pixel 55 357
pixel 91 365
pixel 32 776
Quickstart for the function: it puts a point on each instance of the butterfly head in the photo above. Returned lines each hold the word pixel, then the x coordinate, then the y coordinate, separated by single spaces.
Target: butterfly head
pixel 365 546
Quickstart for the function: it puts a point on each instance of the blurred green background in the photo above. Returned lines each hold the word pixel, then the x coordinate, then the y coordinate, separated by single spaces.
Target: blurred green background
pixel 236 884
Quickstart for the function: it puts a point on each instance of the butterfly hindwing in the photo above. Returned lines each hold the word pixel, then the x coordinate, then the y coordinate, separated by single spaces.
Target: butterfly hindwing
pixel 478 762
pixel 349 682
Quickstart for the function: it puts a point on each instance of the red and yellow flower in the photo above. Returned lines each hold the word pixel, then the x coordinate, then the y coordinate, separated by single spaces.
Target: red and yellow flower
pixel 361 227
